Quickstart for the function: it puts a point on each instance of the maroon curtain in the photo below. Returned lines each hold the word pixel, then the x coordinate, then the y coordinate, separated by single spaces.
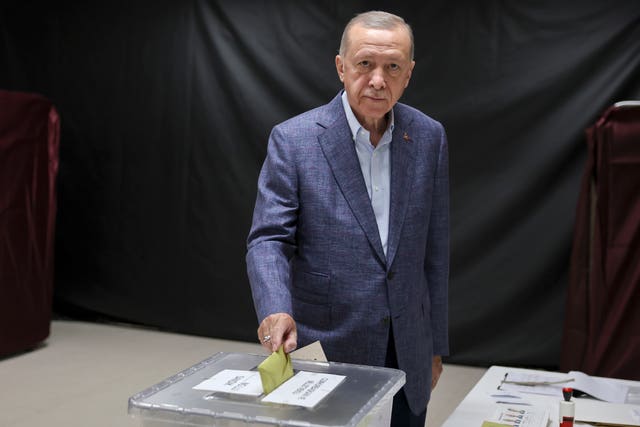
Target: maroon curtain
pixel 602 323
pixel 29 138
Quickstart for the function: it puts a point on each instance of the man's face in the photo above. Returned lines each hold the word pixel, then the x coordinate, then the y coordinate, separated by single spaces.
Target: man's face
pixel 375 69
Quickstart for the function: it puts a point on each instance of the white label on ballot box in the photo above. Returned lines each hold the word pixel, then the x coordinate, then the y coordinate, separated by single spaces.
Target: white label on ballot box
pixel 233 381
pixel 305 389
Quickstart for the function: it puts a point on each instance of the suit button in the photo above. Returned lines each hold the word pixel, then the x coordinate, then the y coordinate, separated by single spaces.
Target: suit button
pixel 390 275
pixel 385 321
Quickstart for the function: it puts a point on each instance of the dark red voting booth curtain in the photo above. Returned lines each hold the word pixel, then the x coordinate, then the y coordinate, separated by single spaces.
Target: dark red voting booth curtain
pixel 29 138
pixel 602 323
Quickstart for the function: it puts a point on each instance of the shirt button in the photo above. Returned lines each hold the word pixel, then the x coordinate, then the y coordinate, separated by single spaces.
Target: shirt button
pixel 390 275
pixel 376 188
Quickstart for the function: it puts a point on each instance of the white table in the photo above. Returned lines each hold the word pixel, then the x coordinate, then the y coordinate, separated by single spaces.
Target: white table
pixel 478 405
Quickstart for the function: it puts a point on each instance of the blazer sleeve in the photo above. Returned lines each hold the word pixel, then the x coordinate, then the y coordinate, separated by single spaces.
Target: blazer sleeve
pixel 437 251
pixel 271 241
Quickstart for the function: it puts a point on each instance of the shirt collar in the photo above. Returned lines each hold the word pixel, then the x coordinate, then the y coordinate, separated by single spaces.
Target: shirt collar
pixel 354 124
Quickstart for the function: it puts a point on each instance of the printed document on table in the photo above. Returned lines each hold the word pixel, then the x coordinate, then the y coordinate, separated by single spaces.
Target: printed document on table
pixel 521 417
pixel 233 381
pixel 600 388
pixel 524 383
pixel 605 413
pixel 305 389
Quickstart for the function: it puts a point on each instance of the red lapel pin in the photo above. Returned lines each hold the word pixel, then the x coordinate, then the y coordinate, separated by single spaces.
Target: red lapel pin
pixel 406 137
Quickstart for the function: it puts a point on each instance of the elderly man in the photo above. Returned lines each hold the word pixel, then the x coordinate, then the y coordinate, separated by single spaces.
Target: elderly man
pixel 350 237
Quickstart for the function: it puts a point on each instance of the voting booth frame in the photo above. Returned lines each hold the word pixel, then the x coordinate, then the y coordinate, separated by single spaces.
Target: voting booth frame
pixel 363 398
pixel 29 153
pixel 602 311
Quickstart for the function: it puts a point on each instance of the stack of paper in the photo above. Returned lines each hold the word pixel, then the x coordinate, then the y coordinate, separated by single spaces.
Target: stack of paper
pixel 607 414
pixel 600 388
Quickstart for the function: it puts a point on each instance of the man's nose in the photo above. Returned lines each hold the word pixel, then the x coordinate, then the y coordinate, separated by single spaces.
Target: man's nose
pixel 377 79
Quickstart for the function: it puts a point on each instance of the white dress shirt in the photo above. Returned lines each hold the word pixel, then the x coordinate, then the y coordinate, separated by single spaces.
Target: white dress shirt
pixel 376 168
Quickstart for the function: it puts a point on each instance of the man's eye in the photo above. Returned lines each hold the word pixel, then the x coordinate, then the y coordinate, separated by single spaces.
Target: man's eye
pixel 364 64
pixel 394 67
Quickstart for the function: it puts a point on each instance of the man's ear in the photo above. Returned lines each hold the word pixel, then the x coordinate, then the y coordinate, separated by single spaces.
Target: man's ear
pixel 413 64
pixel 340 67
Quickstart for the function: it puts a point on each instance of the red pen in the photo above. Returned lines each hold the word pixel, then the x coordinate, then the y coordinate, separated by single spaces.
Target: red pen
pixel 567 408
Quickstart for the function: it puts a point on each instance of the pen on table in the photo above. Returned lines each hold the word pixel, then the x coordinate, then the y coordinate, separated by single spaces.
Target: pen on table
pixel 535 383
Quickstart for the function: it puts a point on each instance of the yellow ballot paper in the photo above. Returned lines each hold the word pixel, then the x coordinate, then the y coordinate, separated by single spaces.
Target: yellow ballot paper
pixel 275 370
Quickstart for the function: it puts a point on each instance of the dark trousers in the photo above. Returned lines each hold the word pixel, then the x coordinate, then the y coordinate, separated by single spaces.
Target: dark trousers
pixel 401 415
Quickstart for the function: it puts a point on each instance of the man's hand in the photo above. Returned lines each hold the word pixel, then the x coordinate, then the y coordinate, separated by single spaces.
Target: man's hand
pixel 436 370
pixel 276 330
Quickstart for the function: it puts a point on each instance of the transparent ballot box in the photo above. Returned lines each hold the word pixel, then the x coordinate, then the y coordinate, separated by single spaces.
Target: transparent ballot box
pixel 363 397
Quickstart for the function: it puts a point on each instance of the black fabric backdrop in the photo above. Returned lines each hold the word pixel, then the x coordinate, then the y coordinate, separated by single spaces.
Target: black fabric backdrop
pixel 166 107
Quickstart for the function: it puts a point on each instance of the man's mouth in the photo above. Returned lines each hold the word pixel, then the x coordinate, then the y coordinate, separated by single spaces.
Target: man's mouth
pixel 375 97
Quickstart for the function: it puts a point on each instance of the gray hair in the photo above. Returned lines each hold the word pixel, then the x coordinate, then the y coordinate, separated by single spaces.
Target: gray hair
pixel 378 20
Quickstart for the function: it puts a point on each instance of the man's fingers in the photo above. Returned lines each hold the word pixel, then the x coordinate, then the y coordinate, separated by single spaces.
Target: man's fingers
pixel 278 329
pixel 265 336
pixel 276 332
pixel 266 341
pixel 291 342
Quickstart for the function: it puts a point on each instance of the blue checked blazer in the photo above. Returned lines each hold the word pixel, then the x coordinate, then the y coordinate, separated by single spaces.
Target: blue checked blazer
pixel 314 250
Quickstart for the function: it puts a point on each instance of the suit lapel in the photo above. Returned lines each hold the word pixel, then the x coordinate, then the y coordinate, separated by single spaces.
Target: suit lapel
pixel 402 170
pixel 338 148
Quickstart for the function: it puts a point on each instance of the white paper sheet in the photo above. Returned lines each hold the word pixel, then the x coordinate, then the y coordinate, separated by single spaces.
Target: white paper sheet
pixel 600 388
pixel 519 377
pixel 305 389
pixel 594 411
pixel 521 417
pixel 233 381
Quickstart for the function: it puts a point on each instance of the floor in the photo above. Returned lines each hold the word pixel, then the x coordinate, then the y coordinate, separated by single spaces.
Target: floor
pixel 85 372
